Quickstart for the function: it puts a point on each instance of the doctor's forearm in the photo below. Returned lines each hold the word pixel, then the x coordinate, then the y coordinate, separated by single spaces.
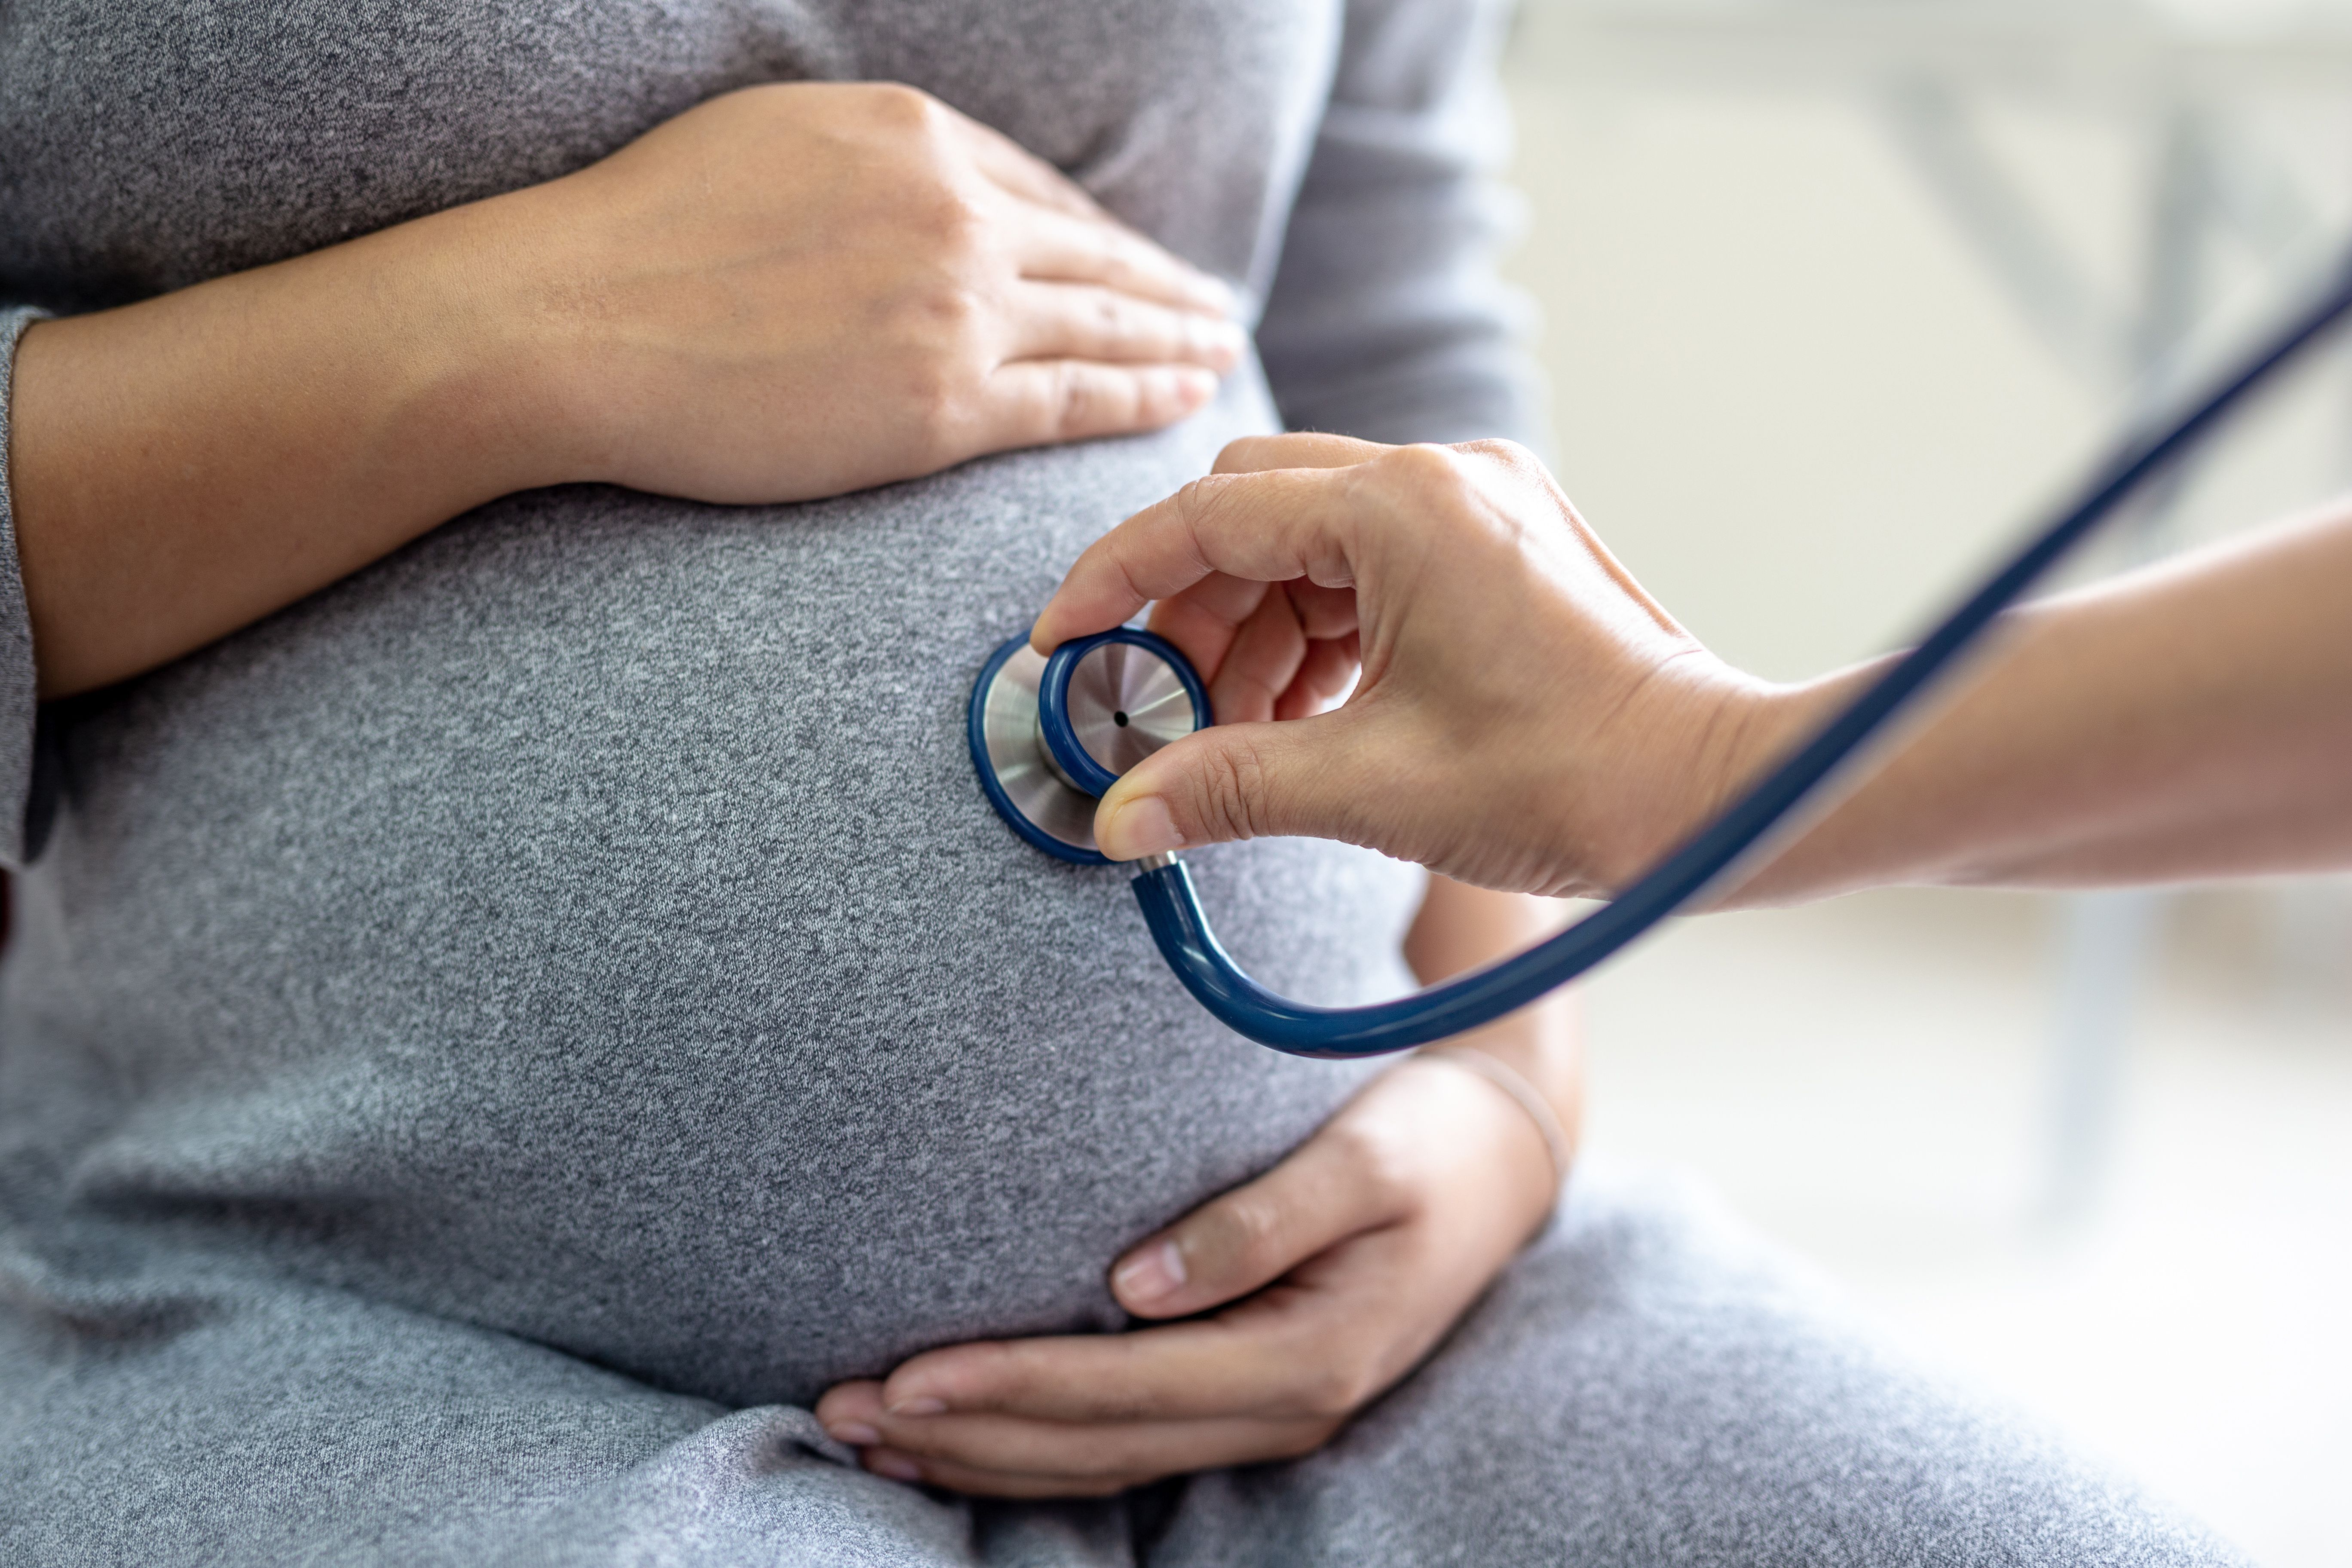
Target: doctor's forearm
pixel 2191 721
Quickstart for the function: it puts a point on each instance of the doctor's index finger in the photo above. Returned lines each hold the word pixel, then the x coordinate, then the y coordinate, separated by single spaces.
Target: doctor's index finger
pixel 1267 526
pixel 1294 450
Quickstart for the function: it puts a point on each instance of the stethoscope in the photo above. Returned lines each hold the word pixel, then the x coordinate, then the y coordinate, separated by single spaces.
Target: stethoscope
pixel 1050 734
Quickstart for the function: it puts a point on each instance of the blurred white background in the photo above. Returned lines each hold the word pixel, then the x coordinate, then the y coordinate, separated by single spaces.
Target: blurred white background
pixel 1839 296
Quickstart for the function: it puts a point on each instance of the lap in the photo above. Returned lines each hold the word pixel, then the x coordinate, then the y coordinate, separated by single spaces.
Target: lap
pixel 258 1422
pixel 1649 1383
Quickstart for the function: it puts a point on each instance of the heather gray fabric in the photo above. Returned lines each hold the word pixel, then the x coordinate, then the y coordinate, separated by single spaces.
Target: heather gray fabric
pixel 1646 1385
pixel 487 1046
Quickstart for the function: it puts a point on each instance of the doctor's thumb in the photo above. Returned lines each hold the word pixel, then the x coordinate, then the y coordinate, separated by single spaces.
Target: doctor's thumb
pixel 1227 782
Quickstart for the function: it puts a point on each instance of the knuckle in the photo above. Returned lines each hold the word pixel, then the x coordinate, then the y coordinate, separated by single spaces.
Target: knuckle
pixel 948 309
pixel 940 398
pixel 953 219
pixel 1232 780
pixel 1244 453
pixel 1113 322
pixel 905 108
pixel 1335 1392
pixel 1427 471
pixel 1079 402
pixel 1198 497
pixel 1497 449
pixel 1244 1234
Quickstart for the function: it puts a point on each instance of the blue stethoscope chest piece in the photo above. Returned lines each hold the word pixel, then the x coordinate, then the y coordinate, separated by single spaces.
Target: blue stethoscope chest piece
pixel 1050 735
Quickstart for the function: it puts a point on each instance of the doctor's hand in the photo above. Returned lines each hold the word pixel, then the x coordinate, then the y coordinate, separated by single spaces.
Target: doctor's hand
pixel 1526 717
pixel 1303 1296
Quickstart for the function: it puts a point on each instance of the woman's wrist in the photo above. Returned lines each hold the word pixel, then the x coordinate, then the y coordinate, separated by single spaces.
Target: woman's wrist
pixel 1530 1068
pixel 184 465
pixel 490 345
pixel 1541 1112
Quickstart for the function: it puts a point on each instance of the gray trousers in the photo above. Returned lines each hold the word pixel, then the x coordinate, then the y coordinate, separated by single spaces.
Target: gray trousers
pixel 1648 1384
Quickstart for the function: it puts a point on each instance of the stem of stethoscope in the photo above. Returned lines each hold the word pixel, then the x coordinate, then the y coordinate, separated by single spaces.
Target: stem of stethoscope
pixel 1171 906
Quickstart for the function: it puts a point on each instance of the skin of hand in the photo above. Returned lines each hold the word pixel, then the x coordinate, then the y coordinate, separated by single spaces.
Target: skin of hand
pixel 1487 621
pixel 1282 1306
pixel 1528 718
pixel 787 292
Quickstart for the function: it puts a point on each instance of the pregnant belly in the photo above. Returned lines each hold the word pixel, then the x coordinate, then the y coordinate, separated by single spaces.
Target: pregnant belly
pixel 587 924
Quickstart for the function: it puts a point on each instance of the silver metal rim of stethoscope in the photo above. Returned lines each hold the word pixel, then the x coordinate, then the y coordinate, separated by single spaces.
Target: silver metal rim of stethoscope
pixel 1124 704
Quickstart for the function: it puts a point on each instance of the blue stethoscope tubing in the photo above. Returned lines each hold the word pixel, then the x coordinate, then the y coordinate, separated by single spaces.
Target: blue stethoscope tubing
pixel 1171 908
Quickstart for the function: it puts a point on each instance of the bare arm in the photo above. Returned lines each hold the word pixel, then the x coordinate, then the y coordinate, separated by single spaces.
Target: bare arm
pixel 1528 718
pixel 787 292
pixel 2191 721
pixel 1461 928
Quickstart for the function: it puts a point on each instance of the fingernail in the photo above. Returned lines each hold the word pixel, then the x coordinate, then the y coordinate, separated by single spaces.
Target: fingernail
pixel 1155 1272
pixel 1220 338
pixel 921 1405
pixel 892 1466
pixel 856 1434
pixel 1140 827
pixel 1213 292
pixel 1196 386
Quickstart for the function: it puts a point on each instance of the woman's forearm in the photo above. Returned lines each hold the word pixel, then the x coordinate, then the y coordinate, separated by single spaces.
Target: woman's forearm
pixel 787 292
pixel 2194 720
pixel 184 465
pixel 1460 927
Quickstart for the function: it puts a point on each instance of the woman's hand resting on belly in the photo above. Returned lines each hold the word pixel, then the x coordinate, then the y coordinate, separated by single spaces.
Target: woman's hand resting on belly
pixel 787 292
pixel 1322 1283
pixel 1325 1280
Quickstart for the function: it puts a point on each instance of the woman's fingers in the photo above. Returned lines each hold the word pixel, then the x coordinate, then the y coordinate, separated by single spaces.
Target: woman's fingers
pixel 1339 1183
pixel 1023 172
pixel 1294 1353
pixel 1073 239
pixel 1036 403
pixel 1010 1456
pixel 1055 247
pixel 1088 320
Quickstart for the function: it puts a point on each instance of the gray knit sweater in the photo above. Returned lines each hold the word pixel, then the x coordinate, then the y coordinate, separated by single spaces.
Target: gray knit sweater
pixel 473 1029
pixel 585 921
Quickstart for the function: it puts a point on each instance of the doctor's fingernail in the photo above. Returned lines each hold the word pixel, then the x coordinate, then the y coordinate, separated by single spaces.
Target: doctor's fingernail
pixel 1142 826
pixel 856 1434
pixel 921 1405
pixel 1150 1273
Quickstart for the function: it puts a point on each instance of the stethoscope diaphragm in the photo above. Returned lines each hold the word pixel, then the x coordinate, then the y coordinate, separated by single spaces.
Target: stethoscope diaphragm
pixel 1050 735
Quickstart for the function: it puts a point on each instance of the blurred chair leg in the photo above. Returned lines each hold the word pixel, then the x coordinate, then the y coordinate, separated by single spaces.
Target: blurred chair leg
pixel 2105 948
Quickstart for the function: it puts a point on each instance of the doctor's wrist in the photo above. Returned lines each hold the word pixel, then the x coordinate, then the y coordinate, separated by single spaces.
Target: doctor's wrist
pixel 1762 735
pixel 1662 768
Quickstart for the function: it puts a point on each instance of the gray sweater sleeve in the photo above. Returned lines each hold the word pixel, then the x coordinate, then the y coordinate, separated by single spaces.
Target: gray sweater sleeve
pixel 17 703
pixel 1387 318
